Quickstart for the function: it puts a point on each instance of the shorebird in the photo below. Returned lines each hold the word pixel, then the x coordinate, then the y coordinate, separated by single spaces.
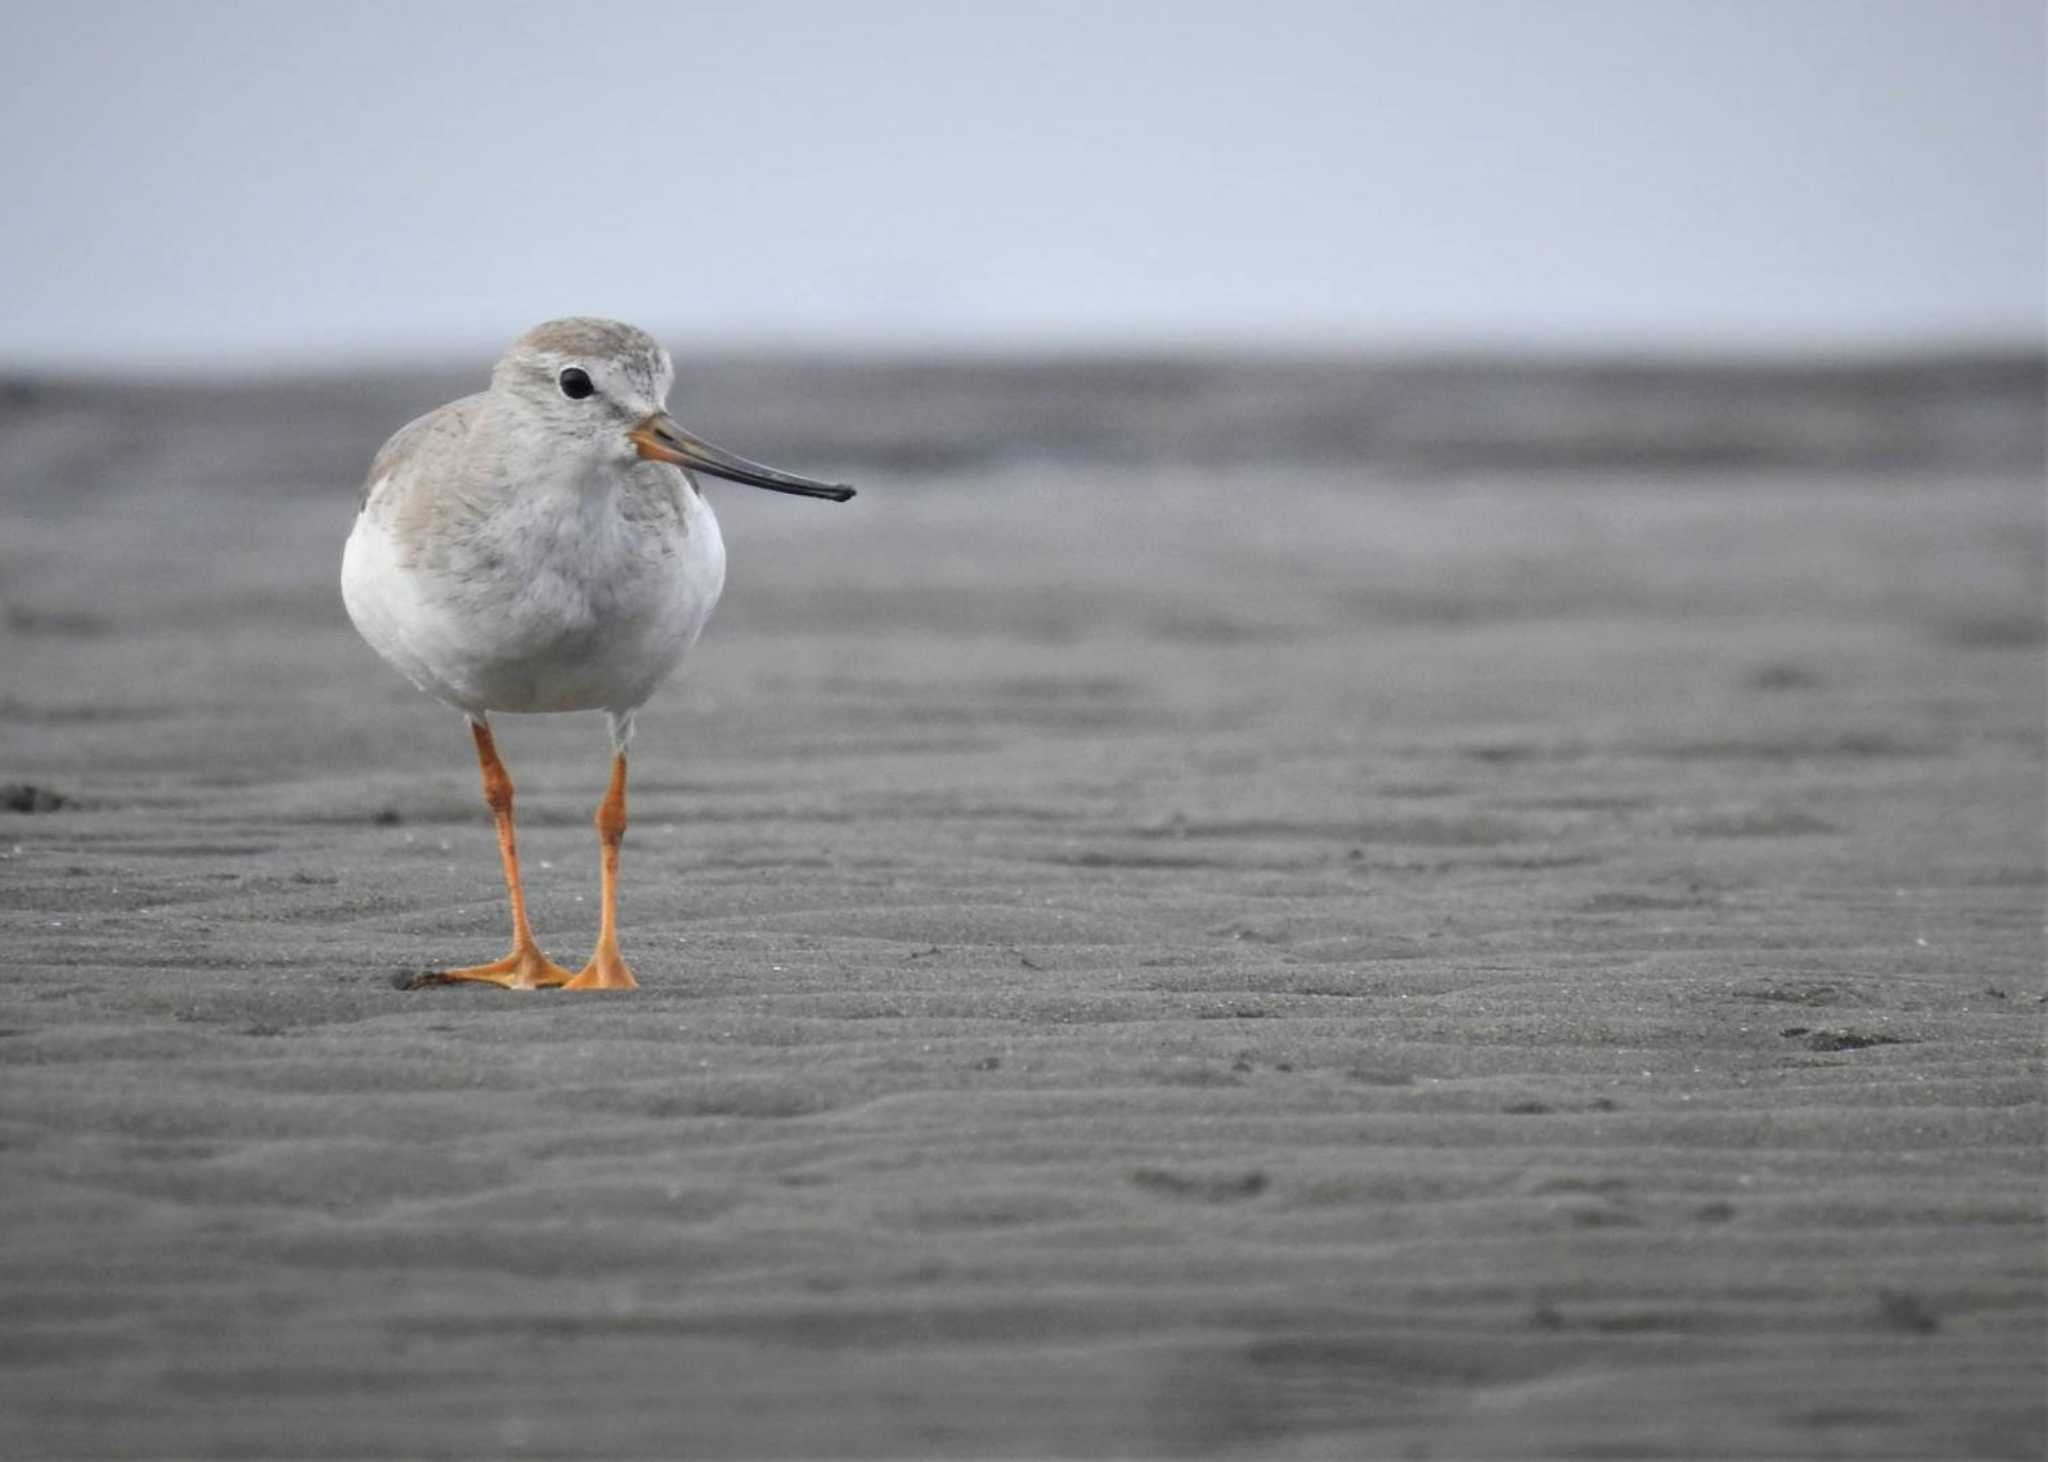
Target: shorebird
pixel 543 546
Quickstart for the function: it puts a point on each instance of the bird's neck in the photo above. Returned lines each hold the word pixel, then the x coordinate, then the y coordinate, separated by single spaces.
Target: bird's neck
pixel 546 467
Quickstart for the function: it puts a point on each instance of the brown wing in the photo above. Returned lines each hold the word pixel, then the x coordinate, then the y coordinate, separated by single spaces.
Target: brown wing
pixel 424 437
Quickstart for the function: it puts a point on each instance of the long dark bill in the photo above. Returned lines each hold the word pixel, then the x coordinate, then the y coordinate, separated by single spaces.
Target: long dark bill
pixel 661 439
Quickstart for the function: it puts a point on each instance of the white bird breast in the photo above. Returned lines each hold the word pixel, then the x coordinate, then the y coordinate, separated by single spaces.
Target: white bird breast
pixel 555 603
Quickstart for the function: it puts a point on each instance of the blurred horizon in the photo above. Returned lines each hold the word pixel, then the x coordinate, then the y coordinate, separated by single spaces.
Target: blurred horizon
pixel 218 189
pixel 451 367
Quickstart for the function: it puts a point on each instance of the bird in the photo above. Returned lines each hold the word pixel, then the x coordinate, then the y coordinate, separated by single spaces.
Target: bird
pixel 544 546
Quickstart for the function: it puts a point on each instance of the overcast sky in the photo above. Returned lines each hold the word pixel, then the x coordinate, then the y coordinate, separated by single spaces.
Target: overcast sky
pixel 194 183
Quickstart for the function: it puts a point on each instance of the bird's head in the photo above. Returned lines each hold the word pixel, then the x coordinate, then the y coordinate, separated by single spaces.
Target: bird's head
pixel 604 385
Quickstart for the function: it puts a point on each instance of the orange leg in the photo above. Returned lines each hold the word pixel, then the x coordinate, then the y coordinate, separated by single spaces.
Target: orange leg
pixel 525 968
pixel 607 968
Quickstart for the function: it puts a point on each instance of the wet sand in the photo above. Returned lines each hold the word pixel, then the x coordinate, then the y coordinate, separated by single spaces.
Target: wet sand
pixel 1138 957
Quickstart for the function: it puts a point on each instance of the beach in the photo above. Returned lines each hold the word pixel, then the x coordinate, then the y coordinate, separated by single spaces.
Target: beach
pixel 1192 918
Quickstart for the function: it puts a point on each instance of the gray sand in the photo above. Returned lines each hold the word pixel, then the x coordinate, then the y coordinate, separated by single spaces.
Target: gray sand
pixel 1139 957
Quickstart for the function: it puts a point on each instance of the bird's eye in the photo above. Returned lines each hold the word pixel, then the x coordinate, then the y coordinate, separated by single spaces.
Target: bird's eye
pixel 575 383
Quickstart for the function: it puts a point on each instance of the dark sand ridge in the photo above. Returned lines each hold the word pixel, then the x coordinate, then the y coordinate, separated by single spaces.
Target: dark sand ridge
pixel 1152 958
